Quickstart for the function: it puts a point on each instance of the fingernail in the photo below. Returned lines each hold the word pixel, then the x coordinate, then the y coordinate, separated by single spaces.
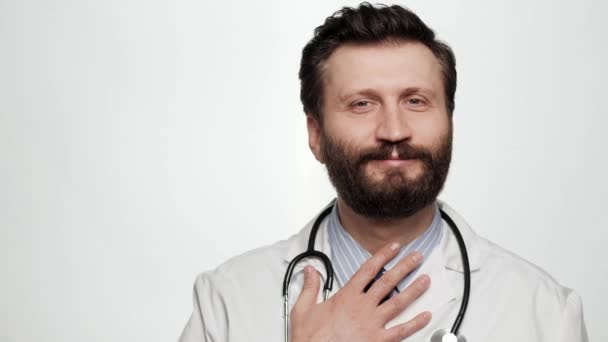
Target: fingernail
pixel 307 271
pixel 395 246
pixel 425 279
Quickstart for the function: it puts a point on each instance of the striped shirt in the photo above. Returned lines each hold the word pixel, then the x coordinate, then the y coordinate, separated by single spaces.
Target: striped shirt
pixel 348 255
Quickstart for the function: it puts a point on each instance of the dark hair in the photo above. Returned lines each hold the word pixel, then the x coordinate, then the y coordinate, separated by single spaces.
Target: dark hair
pixel 368 24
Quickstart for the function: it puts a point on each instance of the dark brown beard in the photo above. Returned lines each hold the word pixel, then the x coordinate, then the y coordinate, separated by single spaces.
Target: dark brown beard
pixel 396 196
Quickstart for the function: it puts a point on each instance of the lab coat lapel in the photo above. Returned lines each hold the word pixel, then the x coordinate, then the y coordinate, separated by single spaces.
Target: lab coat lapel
pixel 439 293
pixel 445 259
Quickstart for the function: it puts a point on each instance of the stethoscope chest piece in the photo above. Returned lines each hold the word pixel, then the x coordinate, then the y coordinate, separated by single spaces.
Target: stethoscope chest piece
pixel 444 335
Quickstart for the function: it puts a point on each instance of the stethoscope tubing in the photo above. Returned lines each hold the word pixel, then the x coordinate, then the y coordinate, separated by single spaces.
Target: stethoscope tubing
pixel 464 255
pixel 312 253
pixel 327 287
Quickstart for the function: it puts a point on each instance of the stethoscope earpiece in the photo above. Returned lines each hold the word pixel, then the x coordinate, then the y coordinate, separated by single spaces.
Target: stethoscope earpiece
pixel 444 335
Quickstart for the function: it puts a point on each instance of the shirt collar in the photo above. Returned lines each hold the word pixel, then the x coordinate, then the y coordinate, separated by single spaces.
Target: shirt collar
pixel 348 255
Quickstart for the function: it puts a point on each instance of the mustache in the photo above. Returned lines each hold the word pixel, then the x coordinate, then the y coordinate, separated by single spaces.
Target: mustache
pixel 404 151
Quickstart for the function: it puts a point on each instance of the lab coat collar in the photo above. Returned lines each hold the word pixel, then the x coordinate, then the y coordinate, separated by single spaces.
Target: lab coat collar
pixel 449 245
pixel 451 254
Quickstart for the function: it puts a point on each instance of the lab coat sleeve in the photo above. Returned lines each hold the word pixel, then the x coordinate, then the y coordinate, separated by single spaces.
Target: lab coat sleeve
pixel 572 327
pixel 204 324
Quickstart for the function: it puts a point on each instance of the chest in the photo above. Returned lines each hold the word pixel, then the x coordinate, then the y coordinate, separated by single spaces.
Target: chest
pixel 496 312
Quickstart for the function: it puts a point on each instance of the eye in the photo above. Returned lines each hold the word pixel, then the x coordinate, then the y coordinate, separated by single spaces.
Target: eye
pixel 417 103
pixel 362 106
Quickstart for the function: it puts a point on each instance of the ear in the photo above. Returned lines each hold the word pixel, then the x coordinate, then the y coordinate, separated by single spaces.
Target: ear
pixel 314 136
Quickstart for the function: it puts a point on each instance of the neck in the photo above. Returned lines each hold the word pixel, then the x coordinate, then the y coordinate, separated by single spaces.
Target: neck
pixel 373 234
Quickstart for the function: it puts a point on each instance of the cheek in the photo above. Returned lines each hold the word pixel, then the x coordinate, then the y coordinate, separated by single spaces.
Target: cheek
pixel 355 131
pixel 432 131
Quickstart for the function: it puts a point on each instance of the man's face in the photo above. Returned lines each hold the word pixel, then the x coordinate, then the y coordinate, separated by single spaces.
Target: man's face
pixel 386 137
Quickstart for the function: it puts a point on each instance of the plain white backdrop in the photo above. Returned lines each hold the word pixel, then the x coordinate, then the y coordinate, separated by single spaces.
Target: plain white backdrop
pixel 142 142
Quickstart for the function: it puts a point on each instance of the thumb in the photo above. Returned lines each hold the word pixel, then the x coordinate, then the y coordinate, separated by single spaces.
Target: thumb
pixel 310 290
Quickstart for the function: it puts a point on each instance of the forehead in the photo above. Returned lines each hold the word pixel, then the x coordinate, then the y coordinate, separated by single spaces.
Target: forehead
pixel 382 66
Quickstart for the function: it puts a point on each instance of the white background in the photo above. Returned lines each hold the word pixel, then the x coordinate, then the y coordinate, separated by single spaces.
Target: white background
pixel 142 142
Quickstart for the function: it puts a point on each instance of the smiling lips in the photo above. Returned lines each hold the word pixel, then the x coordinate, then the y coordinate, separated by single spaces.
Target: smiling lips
pixel 395 161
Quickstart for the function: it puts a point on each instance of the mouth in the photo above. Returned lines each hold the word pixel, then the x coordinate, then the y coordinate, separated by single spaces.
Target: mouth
pixel 394 162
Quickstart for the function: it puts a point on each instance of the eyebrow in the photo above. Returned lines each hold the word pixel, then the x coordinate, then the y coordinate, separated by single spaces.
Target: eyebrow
pixel 372 92
pixel 367 92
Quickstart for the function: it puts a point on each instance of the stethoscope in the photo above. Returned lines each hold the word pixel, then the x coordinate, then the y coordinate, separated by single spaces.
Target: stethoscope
pixel 442 335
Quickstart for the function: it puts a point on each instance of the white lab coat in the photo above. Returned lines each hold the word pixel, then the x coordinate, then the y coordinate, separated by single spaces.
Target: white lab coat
pixel 511 299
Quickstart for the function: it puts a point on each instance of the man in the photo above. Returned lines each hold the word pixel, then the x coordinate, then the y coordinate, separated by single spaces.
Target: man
pixel 378 92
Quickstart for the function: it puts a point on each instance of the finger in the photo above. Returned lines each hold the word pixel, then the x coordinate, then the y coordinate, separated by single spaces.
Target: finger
pixel 310 291
pixel 371 267
pixel 405 330
pixel 394 306
pixel 383 286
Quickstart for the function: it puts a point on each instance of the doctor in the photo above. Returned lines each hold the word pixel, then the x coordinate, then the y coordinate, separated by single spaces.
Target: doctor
pixel 378 93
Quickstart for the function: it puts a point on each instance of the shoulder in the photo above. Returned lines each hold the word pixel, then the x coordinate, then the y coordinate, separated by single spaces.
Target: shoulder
pixel 532 292
pixel 258 263
pixel 237 289
pixel 267 262
pixel 505 272
pixel 523 276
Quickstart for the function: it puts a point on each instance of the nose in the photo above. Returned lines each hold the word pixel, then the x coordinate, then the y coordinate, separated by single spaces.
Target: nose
pixel 392 126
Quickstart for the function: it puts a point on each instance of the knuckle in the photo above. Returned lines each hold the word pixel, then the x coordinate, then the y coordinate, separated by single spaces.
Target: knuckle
pixel 385 254
pixel 309 284
pixel 401 302
pixel 368 268
pixel 394 305
pixel 405 265
pixel 406 329
pixel 412 326
pixel 417 323
pixel 418 286
pixel 422 283
pixel 411 262
pixel 388 280
pixel 406 298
